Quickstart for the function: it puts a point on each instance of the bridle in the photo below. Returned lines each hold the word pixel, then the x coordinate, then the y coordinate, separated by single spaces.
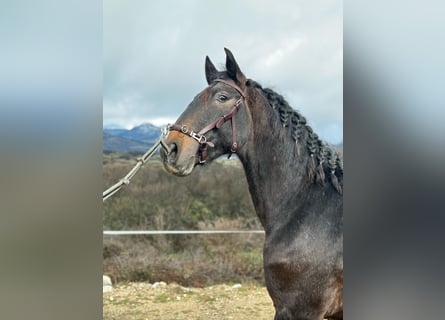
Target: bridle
pixel 200 135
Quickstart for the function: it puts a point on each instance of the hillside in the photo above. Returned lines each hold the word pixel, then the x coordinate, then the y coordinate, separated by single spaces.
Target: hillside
pixel 137 139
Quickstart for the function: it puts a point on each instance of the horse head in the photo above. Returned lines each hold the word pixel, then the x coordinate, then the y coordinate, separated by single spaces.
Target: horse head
pixel 216 122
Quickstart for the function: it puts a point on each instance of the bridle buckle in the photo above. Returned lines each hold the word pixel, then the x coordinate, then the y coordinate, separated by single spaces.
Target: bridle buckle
pixel 200 138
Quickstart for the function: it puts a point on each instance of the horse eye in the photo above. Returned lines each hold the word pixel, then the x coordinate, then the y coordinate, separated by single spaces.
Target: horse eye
pixel 222 98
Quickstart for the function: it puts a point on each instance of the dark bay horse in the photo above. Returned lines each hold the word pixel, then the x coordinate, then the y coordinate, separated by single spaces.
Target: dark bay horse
pixel 295 181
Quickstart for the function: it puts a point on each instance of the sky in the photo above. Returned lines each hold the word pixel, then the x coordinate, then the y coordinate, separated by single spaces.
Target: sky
pixel 154 53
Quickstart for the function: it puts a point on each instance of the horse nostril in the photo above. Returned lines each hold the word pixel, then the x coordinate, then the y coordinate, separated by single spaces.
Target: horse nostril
pixel 173 152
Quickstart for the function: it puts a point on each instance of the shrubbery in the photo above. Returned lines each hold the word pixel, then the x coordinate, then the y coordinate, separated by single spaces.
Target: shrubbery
pixel 213 197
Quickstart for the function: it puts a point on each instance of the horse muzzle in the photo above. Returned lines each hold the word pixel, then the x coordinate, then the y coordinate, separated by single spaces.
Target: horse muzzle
pixel 181 158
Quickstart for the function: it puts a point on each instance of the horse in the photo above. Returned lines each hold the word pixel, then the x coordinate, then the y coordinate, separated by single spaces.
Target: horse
pixel 294 178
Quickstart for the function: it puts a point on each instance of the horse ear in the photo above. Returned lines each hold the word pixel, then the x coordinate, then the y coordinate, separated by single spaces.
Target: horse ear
pixel 211 72
pixel 233 69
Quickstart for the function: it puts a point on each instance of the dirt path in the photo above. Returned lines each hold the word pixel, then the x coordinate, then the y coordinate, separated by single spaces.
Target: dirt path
pixel 173 302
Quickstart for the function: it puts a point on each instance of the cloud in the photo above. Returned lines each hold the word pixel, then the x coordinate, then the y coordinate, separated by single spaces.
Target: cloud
pixel 154 55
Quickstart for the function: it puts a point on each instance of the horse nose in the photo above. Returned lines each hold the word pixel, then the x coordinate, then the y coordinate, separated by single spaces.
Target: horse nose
pixel 172 154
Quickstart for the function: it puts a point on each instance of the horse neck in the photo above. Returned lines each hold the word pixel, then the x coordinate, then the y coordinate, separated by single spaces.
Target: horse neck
pixel 274 174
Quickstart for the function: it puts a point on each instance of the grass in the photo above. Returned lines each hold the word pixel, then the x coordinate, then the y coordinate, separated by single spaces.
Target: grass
pixel 162 298
pixel 210 303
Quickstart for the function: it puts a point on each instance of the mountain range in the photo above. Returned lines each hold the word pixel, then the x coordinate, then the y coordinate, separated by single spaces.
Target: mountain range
pixel 139 139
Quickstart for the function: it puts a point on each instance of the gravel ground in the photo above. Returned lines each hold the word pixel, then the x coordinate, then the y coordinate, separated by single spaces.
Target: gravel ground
pixel 161 301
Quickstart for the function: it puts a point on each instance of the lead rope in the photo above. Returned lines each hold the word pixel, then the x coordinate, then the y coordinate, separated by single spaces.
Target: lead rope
pixel 140 162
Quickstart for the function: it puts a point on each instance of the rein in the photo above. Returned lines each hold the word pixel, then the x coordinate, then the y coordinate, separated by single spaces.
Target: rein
pixel 200 135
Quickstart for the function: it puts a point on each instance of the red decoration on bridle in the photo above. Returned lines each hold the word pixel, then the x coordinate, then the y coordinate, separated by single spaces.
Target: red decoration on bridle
pixel 200 135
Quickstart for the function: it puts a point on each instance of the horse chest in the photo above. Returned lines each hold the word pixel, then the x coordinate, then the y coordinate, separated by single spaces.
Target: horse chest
pixel 304 243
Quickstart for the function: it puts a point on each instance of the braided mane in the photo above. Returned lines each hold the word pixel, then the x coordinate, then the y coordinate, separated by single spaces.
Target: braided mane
pixel 324 160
